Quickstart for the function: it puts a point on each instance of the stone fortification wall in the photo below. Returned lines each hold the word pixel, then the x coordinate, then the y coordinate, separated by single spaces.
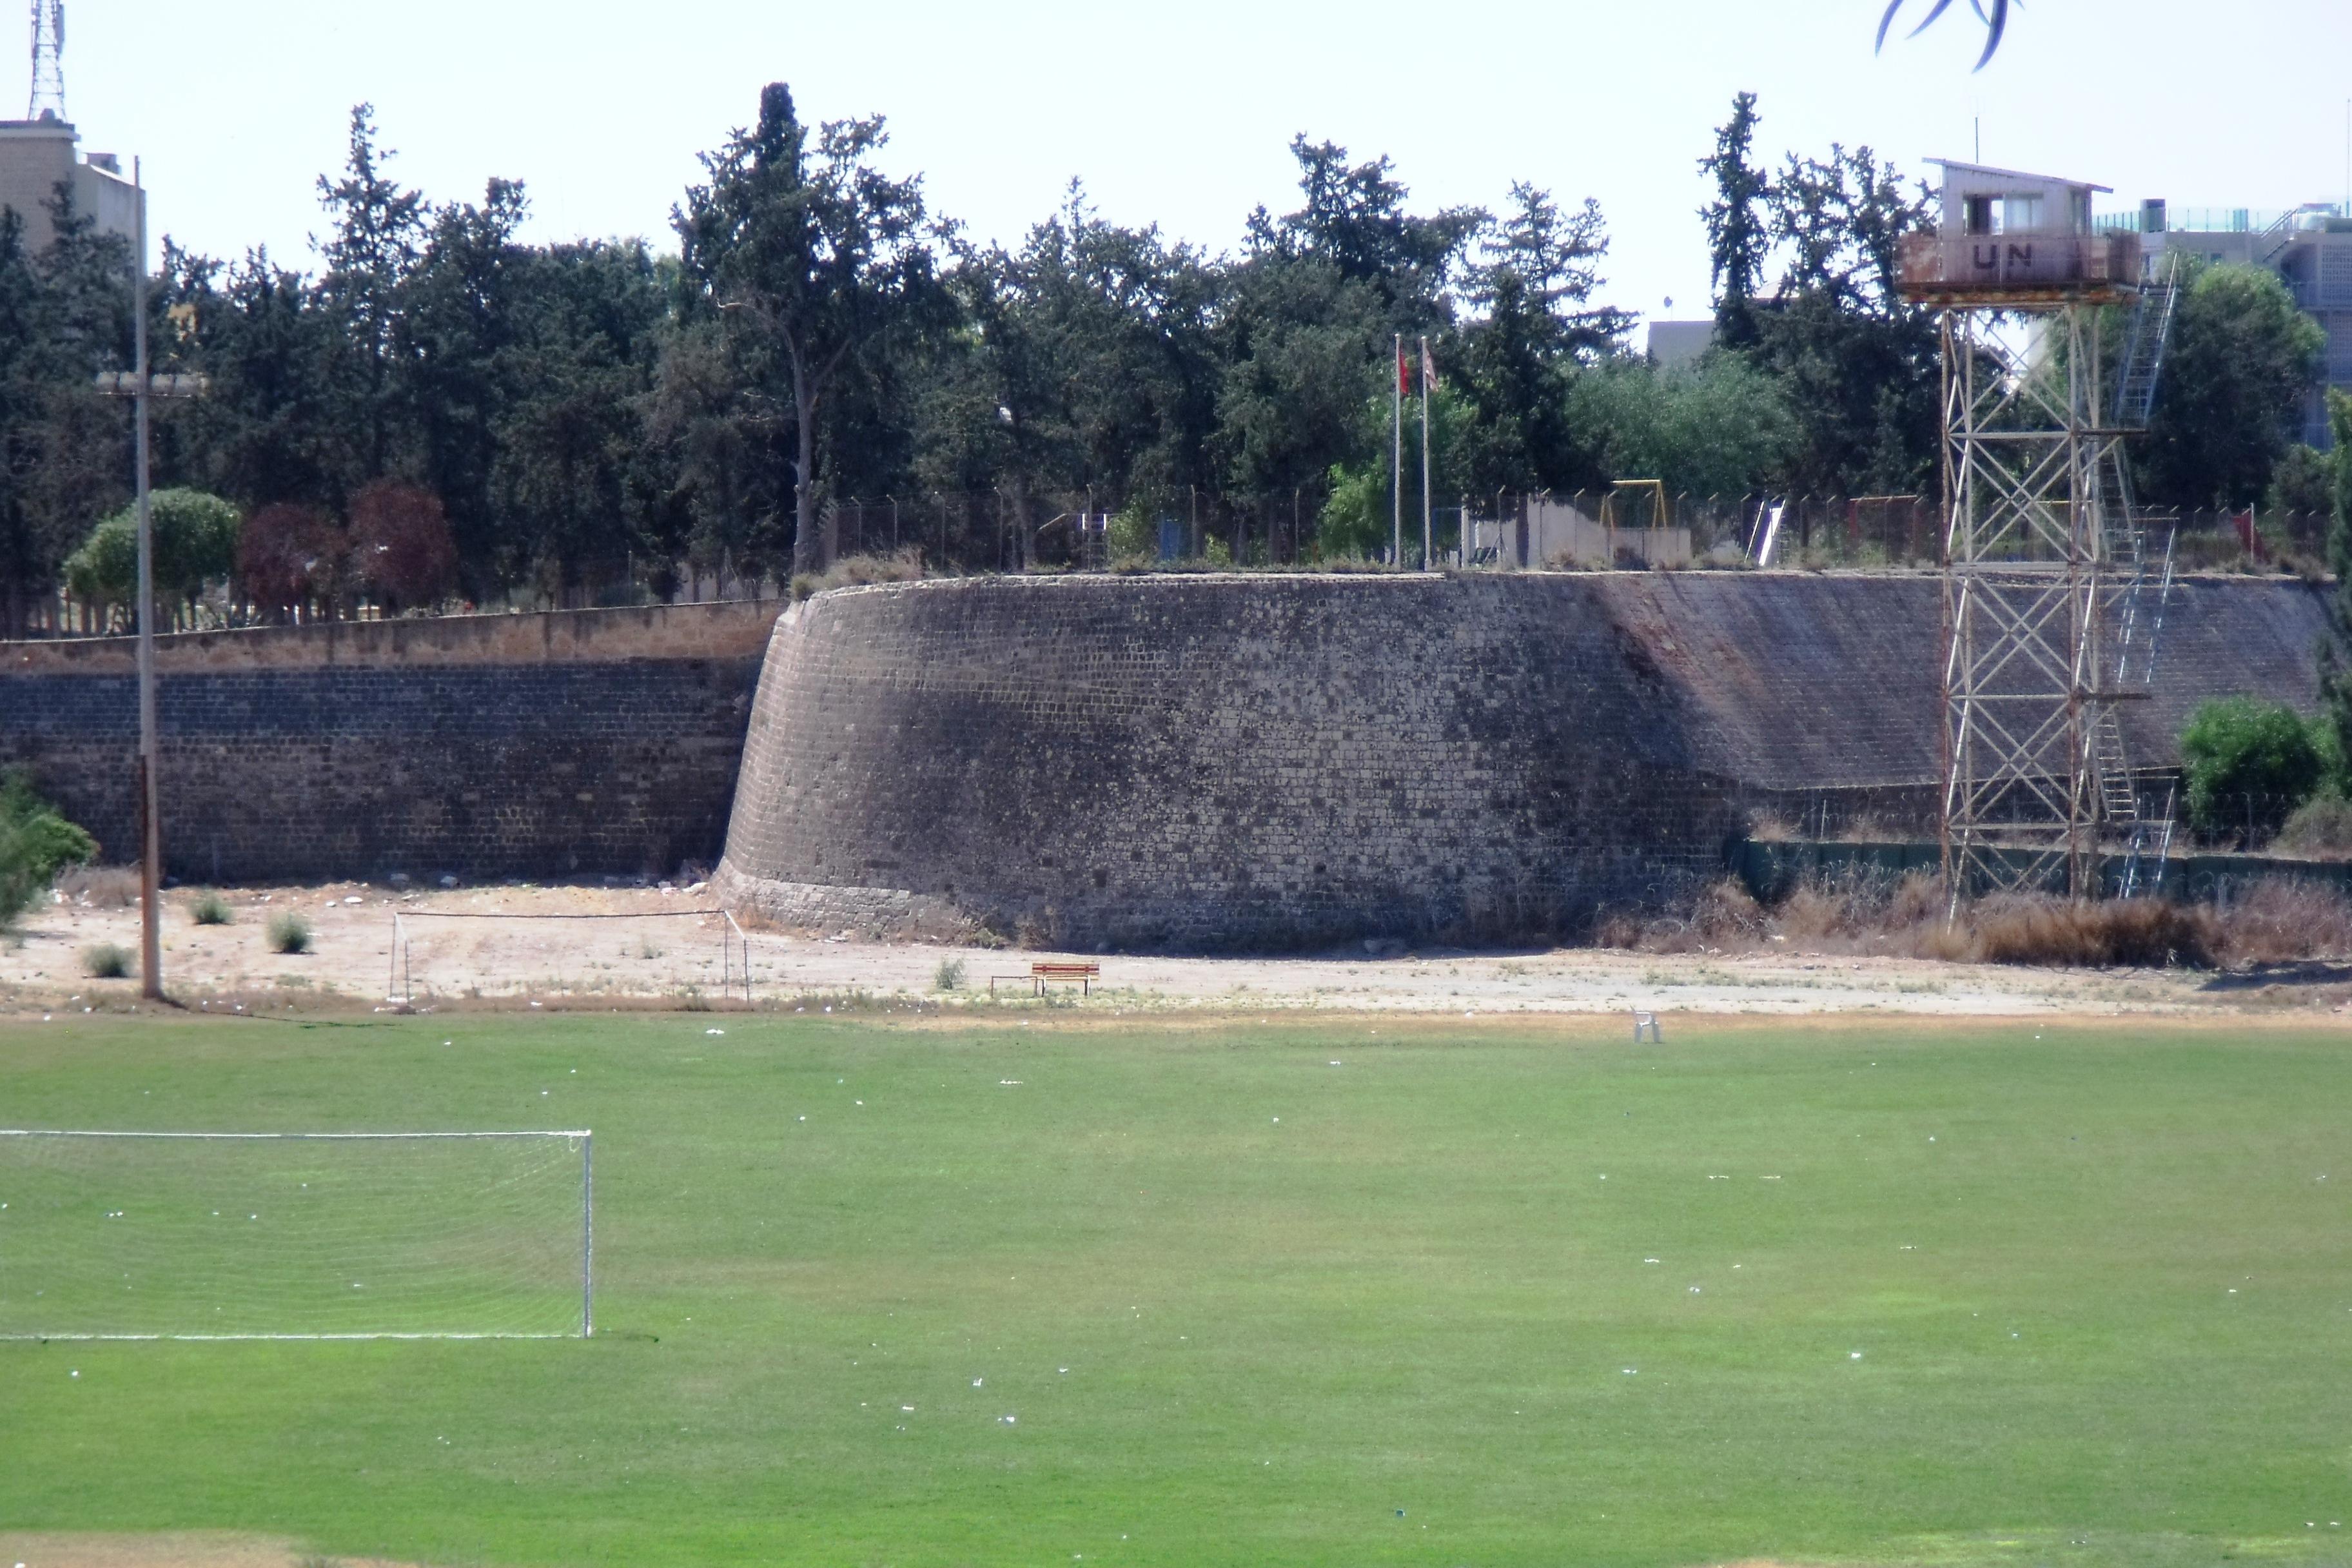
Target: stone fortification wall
pixel 1224 762
pixel 535 745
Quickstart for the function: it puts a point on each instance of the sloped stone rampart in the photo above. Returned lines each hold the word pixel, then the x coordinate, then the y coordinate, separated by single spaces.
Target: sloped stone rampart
pixel 1227 761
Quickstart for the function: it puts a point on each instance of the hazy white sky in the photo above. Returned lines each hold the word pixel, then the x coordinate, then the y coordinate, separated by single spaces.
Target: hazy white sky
pixel 1181 114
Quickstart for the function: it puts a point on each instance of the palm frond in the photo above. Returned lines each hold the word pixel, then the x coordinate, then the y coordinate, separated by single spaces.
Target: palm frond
pixel 1993 13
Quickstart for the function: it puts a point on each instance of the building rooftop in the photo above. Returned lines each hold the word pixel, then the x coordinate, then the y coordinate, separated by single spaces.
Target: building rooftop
pixel 1948 164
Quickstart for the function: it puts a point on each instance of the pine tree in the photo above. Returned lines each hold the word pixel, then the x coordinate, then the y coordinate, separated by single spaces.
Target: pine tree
pixel 2335 677
pixel 806 255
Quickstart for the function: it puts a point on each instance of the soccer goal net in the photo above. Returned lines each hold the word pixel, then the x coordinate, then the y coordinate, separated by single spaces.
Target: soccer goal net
pixel 202 1236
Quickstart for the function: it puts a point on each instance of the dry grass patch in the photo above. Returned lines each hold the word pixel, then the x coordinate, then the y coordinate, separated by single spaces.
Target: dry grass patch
pixel 102 887
pixel 1857 913
pixel 2277 922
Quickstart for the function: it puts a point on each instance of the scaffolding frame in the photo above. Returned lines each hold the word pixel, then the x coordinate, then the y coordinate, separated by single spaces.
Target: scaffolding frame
pixel 2038 518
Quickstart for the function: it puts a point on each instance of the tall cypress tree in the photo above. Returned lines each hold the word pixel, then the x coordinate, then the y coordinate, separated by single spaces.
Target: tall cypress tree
pixel 1737 238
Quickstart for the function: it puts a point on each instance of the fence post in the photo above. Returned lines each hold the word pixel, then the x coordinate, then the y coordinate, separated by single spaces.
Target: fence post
pixel 587 1235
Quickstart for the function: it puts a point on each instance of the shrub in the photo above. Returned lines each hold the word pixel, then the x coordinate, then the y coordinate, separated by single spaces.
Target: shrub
pixel 2247 762
pixel 36 844
pixel 949 977
pixel 209 908
pixel 289 933
pixel 1133 534
pixel 1357 519
pixel 2320 828
pixel 106 961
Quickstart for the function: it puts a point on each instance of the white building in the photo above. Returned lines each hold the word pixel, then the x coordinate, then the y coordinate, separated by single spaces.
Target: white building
pixel 38 155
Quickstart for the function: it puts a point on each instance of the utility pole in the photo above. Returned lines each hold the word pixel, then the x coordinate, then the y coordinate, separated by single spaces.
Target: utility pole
pixel 1428 518
pixel 151 829
pixel 1396 461
pixel 139 386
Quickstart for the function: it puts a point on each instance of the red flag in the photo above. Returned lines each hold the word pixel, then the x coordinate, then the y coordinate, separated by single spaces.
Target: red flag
pixel 1404 376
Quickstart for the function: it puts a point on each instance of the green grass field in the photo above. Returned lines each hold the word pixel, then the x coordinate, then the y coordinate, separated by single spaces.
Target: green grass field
pixel 1872 1291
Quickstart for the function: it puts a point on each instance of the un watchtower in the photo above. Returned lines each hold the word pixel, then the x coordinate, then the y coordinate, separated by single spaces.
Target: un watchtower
pixel 2043 561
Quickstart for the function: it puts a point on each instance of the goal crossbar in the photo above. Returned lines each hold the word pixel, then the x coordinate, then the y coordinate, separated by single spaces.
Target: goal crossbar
pixel 102 1132
pixel 123 1247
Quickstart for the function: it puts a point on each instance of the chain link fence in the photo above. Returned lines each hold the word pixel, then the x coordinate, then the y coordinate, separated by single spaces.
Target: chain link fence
pixel 1632 526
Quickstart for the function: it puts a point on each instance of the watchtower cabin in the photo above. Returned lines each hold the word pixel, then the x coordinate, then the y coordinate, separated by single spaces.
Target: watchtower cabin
pixel 2009 238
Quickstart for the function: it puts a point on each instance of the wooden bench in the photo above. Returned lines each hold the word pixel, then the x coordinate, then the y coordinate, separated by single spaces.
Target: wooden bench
pixel 1040 975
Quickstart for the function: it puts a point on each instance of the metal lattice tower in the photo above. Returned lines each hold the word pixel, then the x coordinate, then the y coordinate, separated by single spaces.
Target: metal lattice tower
pixel 48 69
pixel 2042 555
pixel 2029 725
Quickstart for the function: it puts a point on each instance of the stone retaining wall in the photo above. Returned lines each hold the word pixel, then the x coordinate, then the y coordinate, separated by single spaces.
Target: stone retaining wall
pixel 1184 762
pixel 565 744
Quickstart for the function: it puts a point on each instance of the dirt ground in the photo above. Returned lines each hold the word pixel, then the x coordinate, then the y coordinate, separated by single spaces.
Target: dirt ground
pixel 177 1549
pixel 651 946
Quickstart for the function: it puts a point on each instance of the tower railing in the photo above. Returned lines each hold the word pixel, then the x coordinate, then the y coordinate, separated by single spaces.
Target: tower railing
pixel 2027 268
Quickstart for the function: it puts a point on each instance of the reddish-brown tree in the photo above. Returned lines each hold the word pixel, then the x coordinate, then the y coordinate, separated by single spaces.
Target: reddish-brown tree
pixel 291 557
pixel 401 545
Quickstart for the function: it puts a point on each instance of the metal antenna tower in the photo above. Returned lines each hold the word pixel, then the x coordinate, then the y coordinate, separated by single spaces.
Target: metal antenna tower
pixel 2039 536
pixel 48 71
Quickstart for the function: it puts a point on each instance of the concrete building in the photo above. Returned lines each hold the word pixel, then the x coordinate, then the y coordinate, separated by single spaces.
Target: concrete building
pixel 38 155
pixel 1680 343
pixel 2310 248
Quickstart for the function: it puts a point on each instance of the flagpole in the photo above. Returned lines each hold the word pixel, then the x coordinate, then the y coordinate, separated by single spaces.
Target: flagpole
pixel 1428 518
pixel 1396 460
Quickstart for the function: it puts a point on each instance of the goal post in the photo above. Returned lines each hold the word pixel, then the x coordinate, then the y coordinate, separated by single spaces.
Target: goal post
pixel 311 1235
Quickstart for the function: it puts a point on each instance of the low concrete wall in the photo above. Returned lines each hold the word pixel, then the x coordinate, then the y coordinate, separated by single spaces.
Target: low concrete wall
pixel 535 745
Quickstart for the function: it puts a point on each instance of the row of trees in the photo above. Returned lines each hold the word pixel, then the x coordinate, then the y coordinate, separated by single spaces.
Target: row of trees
pixel 584 412
pixel 289 560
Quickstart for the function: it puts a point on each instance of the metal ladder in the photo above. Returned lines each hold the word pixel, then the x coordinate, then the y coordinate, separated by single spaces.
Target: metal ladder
pixel 2135 399
pixel 2164 843
pixel 2159 833
pixel 2163 595
pixel 2143 343
pixel 2118 796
